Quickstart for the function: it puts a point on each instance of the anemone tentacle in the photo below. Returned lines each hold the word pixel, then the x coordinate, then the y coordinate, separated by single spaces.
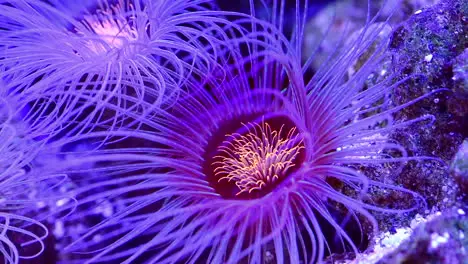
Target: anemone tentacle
pixel 20 191
pixel 21 230
pixel 22 186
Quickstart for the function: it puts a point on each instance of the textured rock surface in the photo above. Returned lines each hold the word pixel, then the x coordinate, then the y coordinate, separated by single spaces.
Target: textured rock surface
pixel 427 49
pixel 444 239
pixel 328 25
pixel 460 74
pixel 459 168
pixel 427 32
pixel 429 52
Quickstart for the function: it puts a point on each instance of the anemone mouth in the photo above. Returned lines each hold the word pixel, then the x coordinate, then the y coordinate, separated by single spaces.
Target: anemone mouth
pixel 109 28
pixel 250 156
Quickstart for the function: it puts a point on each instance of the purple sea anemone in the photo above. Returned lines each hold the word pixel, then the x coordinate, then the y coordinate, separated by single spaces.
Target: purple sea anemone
pixel 121 53
pixel 241 167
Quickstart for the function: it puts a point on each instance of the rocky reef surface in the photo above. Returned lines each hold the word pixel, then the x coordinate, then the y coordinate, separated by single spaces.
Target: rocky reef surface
pixel 428 52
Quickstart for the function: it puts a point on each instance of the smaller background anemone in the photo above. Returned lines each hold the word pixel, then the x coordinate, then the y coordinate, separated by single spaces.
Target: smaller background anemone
pixel 132 55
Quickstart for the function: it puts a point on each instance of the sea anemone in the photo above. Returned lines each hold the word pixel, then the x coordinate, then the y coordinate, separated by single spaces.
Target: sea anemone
pixel 106 52
pixel 241 167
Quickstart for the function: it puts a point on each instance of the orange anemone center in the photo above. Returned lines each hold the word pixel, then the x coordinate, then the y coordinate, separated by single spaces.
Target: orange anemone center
pixel 256 160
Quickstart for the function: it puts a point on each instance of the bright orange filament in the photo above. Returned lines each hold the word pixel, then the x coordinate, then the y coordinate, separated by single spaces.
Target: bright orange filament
pixel 259 158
